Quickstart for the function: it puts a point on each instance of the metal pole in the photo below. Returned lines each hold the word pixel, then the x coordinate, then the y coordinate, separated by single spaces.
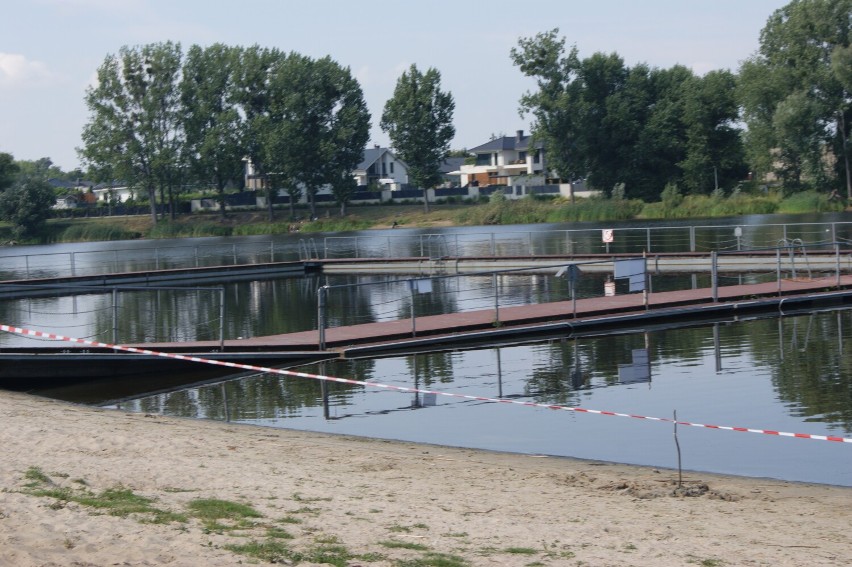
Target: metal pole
pixel 413 320
pixel 73 271
pixel 357 253
pixel 196 256
pixel 222 319
pixel 837 263
pixel 321 298
pixel 27 261
pixel 114 316
pixel 714 275
pixel 647 239
pixel 496 300
pixel 778 268
pixel 573 278
pixel 271 251
pixel 157 258
pixel 493 246
pixel 532 252
pixel 692 239
pixel 235 253
pixel 115 260
pixel 389 247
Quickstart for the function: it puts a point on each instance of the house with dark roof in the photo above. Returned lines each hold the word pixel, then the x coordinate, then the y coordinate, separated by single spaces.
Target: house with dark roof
pixel 501 160
pixel 381 167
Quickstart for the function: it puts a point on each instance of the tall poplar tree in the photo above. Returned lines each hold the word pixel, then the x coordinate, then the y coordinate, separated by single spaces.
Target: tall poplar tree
pixel 134 129
pixel 419 120
pixel 213 149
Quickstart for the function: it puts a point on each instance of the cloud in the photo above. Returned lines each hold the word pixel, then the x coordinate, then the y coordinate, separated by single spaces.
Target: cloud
pixel 18 71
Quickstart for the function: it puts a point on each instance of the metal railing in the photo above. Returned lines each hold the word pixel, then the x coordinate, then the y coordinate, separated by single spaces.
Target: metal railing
pixel 508 242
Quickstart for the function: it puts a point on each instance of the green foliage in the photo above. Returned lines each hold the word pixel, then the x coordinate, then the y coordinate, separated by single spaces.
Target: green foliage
pixel 601 120
pixel 27 206
pixel 8 170
pixel 809 202
pixel 419 120
pixel 89 232
pixel 184 230
pixel 335 225
pixel 134 128
pixel 796 96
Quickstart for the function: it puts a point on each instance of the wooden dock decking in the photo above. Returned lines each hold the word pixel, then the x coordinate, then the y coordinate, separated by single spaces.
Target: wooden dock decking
pixel 455 328
pixel 485 326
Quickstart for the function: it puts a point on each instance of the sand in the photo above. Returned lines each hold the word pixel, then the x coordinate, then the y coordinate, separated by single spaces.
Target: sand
pixel 369 502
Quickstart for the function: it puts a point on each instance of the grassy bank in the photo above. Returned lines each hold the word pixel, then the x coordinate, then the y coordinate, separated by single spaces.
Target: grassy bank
pixel 494 212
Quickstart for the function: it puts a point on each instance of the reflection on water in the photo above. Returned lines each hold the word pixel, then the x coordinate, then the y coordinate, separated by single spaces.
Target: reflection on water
pixel 789 374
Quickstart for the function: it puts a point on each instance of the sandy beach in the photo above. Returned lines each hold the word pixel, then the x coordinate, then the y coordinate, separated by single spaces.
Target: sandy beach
pixel 210 493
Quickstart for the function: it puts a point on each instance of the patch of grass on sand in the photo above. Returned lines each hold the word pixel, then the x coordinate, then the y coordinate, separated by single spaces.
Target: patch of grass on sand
pixel 394 544
pixel 435 560
pixel 118 501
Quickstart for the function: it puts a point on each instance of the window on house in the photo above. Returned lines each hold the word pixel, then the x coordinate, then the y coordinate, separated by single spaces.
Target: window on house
pixel 391 167
pixel 522 156
pixel 483 159
pixel 384 168
pixel 537 156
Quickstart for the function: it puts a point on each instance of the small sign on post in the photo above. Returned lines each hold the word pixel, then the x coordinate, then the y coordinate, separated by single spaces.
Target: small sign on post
pixel 607 236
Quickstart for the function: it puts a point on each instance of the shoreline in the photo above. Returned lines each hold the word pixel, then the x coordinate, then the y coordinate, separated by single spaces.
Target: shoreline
pixel 328 499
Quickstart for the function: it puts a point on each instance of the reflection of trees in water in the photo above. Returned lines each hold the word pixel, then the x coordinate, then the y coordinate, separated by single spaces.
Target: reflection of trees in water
pixel 811 364
pixel 264 396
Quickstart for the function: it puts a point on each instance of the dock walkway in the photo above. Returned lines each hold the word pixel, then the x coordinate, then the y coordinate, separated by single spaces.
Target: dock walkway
pixel 591 313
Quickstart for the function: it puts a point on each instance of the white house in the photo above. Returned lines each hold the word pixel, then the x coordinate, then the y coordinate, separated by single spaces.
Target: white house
pixel 381 167
pixel 503 159
pixel 115 190
pixel 518 164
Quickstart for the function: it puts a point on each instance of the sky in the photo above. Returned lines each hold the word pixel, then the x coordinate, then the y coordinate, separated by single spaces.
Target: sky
pixel 50 49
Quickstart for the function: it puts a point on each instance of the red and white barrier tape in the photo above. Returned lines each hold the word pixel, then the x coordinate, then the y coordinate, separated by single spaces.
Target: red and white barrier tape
pixel 52 336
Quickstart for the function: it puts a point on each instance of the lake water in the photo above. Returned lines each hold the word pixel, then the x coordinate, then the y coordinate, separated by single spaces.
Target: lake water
pixel 792 373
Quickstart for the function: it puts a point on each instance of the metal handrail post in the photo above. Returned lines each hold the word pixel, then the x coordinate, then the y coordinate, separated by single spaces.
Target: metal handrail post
pixel 778 268
pixel 691 239
pixel 714 275
pixel 114 316
pixel 496 299
pixel 73 268
pixel 222 318
pixel 321 298
pixel 837 263
pixel 413 320
pixel 235 253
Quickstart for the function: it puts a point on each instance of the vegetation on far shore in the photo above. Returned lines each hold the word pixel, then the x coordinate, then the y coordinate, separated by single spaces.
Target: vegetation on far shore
pixel 495 211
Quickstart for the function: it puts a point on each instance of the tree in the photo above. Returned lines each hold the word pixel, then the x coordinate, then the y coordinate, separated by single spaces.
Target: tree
pixel 320 124
pixel 252 94
pixel 796 103
pixel 8 170
pixel 419 120
pixel 27 205
pixel 134 130
pixel 211 117
pixel 343 187
pixel 641 127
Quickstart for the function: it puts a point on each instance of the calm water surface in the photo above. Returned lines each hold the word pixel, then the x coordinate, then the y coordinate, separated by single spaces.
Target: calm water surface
pixel 789 374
